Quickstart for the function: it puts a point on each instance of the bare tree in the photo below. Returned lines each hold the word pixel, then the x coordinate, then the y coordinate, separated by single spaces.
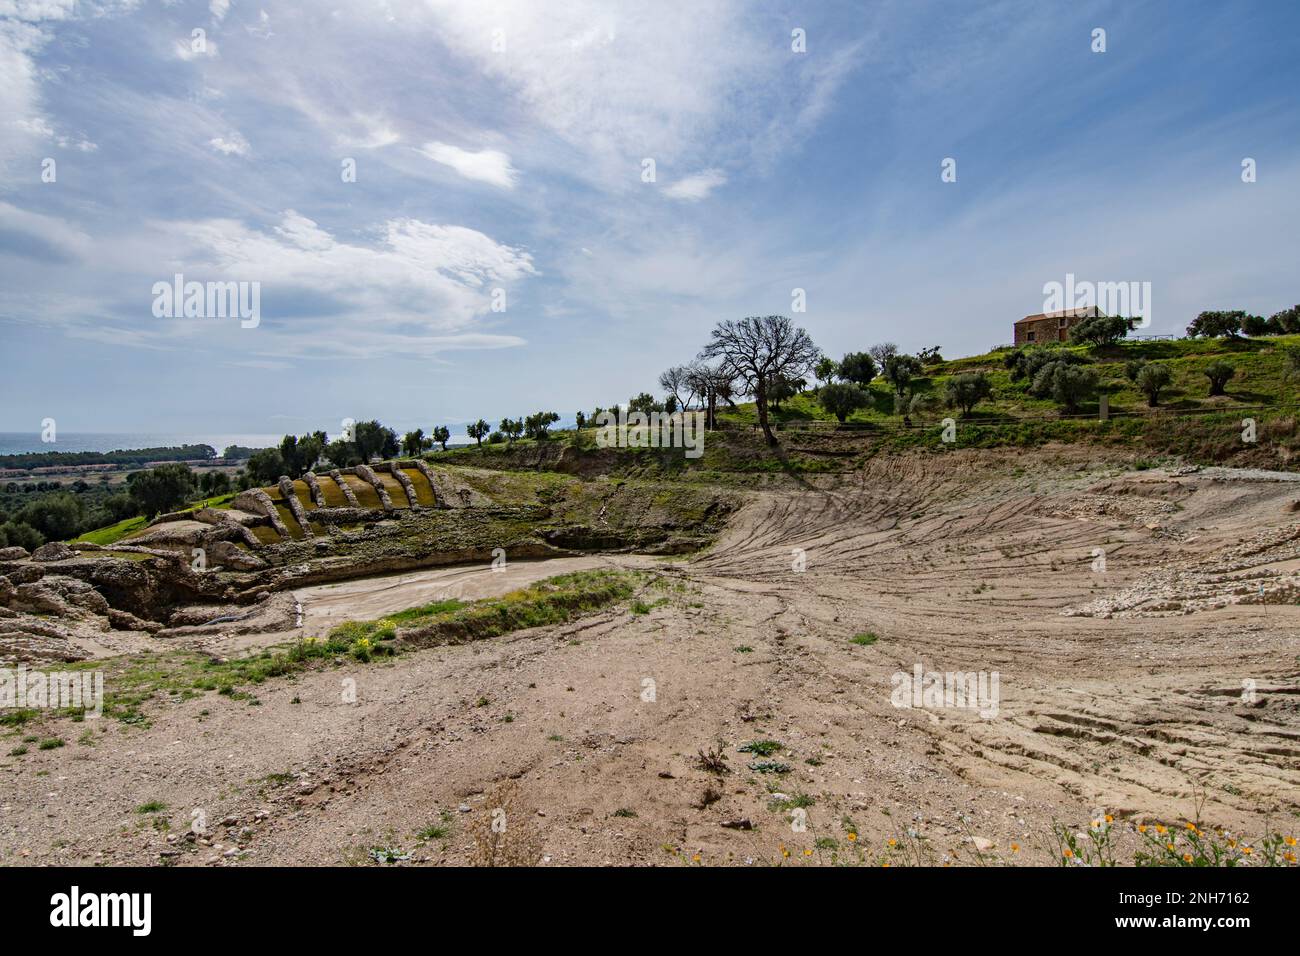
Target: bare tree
pixel 675 381
pixel 710 383
pixel 882 353
pixel 762 350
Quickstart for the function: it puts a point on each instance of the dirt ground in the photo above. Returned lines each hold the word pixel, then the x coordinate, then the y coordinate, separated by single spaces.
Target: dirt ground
pixel 1141 674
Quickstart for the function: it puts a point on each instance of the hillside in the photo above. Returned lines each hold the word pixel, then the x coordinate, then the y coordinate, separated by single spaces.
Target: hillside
pixel 1260 381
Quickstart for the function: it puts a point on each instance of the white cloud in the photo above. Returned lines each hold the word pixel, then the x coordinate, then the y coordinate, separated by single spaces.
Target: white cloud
pixel 219 9
pixel 53 237
pixel 263 29
pixel 21 38
pixel 487 165
pixel 697 187
pixel 193 48
pixel 234 145
pixel 684 82
pixel 370 132
pixel 422 288
pixel 38 127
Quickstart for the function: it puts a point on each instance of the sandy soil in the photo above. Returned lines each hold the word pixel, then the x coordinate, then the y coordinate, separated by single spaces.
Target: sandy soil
pixel 327 605
pixel 1120 690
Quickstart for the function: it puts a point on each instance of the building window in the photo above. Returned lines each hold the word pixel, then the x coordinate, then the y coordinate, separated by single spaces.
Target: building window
pixel 1062 323
pixel 1029 336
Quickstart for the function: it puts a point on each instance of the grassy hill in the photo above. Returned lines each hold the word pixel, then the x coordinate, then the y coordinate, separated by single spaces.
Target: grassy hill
pixel 1260 382
pixel 1188 424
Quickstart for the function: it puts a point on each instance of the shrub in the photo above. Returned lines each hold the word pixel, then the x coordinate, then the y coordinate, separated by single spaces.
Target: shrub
pixel 15 534
pixel 1064 382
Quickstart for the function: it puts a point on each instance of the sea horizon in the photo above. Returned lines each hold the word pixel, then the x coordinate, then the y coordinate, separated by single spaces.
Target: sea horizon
pixel 18 443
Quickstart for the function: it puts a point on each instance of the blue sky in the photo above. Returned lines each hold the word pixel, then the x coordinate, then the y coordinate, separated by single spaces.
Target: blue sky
pixel 500 145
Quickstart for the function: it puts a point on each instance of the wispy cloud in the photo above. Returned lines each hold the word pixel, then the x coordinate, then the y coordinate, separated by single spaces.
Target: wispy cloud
pixel 487 165
pixel 697 187
pixel 498 144
pixel 232 144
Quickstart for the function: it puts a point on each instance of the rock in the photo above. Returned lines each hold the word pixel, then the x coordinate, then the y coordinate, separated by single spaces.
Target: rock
pixel 365 473
pixel 14 554
pixel 230 555
pixel 41 598
pixel 291 501
pixel 126 621
pixel 982 844
pixel 742 824
pixel 53 551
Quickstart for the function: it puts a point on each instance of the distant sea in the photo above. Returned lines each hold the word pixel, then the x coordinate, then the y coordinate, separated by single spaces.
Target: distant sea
pixel 15 443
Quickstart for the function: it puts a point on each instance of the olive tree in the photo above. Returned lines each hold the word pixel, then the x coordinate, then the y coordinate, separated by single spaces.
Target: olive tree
pixel 967 390
pixel 858 368
pixel 1152 379
pixel 1219 373
pixel 842 399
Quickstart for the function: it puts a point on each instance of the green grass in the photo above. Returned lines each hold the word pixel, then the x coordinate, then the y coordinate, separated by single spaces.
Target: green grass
pixel 769 766
pixel 865 639
pixel 1188 424
pixel 426 610
pixel 763 748
pixel 114 532
pixel 1260 380
pixel 552 601
pixel 153 806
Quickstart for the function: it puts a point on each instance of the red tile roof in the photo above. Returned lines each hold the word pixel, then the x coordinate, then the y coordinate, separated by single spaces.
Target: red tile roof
pixel 1066 314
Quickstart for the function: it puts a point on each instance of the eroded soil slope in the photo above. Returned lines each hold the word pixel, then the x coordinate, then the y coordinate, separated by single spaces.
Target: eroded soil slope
pixel 1122 609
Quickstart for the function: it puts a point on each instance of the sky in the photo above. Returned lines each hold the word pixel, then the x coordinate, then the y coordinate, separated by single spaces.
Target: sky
pixel 448 208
